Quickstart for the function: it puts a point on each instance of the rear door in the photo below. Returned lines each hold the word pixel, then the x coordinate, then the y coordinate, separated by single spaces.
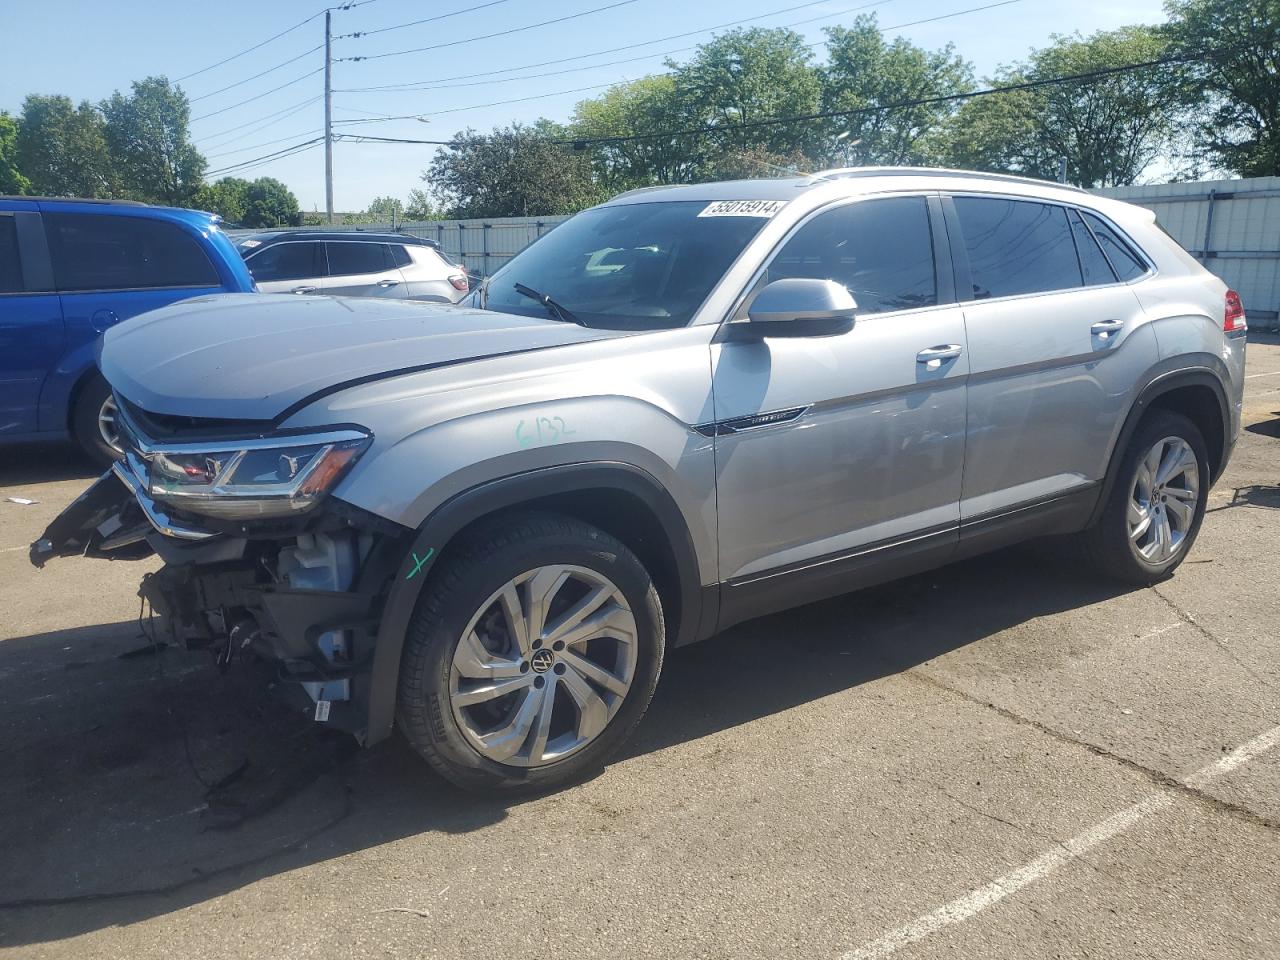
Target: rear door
pixel 293 266
pixel 32 337
pixel 362 269
pixel 1056 345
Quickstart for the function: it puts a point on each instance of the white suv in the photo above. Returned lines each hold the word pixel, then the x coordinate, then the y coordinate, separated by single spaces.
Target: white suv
pixel 353 265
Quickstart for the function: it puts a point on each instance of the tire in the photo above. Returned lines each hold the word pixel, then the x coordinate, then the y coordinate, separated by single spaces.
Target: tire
pixel 1118 543
pixel 93 402
pixel 461 649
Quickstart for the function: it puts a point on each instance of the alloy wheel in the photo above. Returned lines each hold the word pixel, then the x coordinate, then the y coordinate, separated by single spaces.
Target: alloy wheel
pixel 1162 503
pixel 543 665
pixel 107 427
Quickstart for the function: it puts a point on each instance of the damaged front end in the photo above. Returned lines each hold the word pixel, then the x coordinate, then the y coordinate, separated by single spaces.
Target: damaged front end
pixel 259 560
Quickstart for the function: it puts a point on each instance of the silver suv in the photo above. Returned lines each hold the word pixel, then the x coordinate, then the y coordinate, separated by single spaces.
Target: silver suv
pixel 391 265
pixel 681 409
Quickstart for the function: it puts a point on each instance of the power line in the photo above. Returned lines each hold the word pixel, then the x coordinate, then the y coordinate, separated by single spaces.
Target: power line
pixel 214 93
pixel 414 23
pixel 900 105
pixel 274 155
pixel 237 106
pixel 259 146
pixel 498 103
pixel 419 84
pixel 256 46
pixel 279 114
pixel 489 36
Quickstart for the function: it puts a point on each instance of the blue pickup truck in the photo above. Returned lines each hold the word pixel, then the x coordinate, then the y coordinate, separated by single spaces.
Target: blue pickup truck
pixel 69 269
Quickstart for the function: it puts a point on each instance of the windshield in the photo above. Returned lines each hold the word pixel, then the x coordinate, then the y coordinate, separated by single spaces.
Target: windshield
pixel 639 266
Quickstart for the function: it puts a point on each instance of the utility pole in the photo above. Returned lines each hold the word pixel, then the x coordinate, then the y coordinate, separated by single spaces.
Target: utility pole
pixel 328 119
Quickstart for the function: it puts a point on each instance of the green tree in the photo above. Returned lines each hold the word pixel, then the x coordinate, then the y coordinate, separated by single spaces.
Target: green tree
pixel 269 203
pixel 62 148
pixel 647 109
pixel 420 206
pixel 1234 51
pixel 745 76
pixel 228 197
pixel 516 171
pixel 1109 129
pixel 863 71
pixel 147 133
pixel 11 178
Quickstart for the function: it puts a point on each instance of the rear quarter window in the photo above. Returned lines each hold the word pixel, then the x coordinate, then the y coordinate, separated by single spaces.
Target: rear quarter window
pixel 1128 265
pixel 109 252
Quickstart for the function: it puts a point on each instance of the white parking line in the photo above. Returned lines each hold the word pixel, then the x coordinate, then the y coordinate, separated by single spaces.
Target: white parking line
pixel 957 911
pixel 1271 373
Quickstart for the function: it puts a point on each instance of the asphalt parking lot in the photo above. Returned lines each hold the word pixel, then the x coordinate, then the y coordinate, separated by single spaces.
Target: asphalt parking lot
pixel 1008 758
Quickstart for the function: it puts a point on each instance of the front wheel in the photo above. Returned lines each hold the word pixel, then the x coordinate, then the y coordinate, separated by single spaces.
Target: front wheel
pixel 533 653
pixel 1156 507
pixel 94 422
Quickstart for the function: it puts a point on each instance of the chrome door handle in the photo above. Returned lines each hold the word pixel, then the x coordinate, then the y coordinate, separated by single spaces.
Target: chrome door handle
pixel 933 356
pixel 387 283
pixel 303 290
pixel 1104 328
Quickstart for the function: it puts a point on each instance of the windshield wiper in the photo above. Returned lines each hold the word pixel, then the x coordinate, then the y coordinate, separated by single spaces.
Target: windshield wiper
pixel 558 311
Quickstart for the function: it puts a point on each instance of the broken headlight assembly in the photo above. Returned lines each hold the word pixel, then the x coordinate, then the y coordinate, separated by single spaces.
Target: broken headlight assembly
pixel 241 480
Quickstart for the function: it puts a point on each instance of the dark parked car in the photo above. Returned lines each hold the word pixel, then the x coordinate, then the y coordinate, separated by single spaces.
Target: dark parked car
pixel 70 269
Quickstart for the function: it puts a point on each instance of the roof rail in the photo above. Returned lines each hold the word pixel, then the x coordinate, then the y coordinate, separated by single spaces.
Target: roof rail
pixel 843 173
pixel 127 203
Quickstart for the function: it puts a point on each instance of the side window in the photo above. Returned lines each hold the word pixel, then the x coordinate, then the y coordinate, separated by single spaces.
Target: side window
pixel 1017 246
pixel 348 257
pixel 287 261
pixel 10 261
pixel 110 252
pixel 1125 261
pixel 880 250
pixel 1093 262
pixel 400 256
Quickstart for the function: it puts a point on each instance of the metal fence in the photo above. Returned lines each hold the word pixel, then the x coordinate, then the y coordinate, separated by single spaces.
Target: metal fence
pixel 1231 226
pixel 482 246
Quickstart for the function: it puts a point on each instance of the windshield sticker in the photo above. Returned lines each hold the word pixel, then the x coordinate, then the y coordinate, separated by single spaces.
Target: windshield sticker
pixel 742 208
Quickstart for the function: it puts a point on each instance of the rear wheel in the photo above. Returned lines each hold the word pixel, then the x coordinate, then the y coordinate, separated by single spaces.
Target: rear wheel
pixel 94 422
pixel 1157 504
pixel 532 655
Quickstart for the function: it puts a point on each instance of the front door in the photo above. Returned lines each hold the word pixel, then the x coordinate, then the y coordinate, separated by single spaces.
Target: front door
pixel 291 266
pixel 833 453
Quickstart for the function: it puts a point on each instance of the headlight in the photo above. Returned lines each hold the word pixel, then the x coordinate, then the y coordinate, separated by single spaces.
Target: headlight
pixel 272 477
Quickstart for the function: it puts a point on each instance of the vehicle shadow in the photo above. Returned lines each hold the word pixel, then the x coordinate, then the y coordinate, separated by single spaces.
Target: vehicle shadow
pixel 22 463
pixel 106 810
pixel 1254 495
pixel 1267 428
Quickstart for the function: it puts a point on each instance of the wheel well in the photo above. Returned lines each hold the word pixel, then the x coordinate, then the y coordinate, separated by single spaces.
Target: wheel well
pixel 73 401
pixel 620 514
pixel 1200 405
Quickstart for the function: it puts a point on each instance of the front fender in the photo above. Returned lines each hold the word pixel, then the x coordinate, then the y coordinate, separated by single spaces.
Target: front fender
pixel 456 513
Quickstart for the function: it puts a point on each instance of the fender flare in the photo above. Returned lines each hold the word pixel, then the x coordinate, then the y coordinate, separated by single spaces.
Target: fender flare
pixel 454 514
pixel 1162 384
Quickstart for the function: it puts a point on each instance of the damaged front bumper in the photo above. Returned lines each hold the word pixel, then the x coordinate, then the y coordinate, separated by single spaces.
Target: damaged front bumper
pixel 302 598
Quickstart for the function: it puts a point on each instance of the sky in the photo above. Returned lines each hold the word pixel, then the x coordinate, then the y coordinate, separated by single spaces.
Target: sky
pixel 90 49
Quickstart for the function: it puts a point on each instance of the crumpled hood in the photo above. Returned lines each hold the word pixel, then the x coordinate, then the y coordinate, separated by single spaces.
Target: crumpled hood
pixel 249 356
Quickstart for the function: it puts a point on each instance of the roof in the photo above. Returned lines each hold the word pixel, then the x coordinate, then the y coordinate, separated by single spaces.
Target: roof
pixel 852 179
pixel 269 237
pixel 125 203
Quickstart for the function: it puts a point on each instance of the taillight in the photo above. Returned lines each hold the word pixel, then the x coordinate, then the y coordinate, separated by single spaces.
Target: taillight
pixel 1233 318
pixel 459 281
